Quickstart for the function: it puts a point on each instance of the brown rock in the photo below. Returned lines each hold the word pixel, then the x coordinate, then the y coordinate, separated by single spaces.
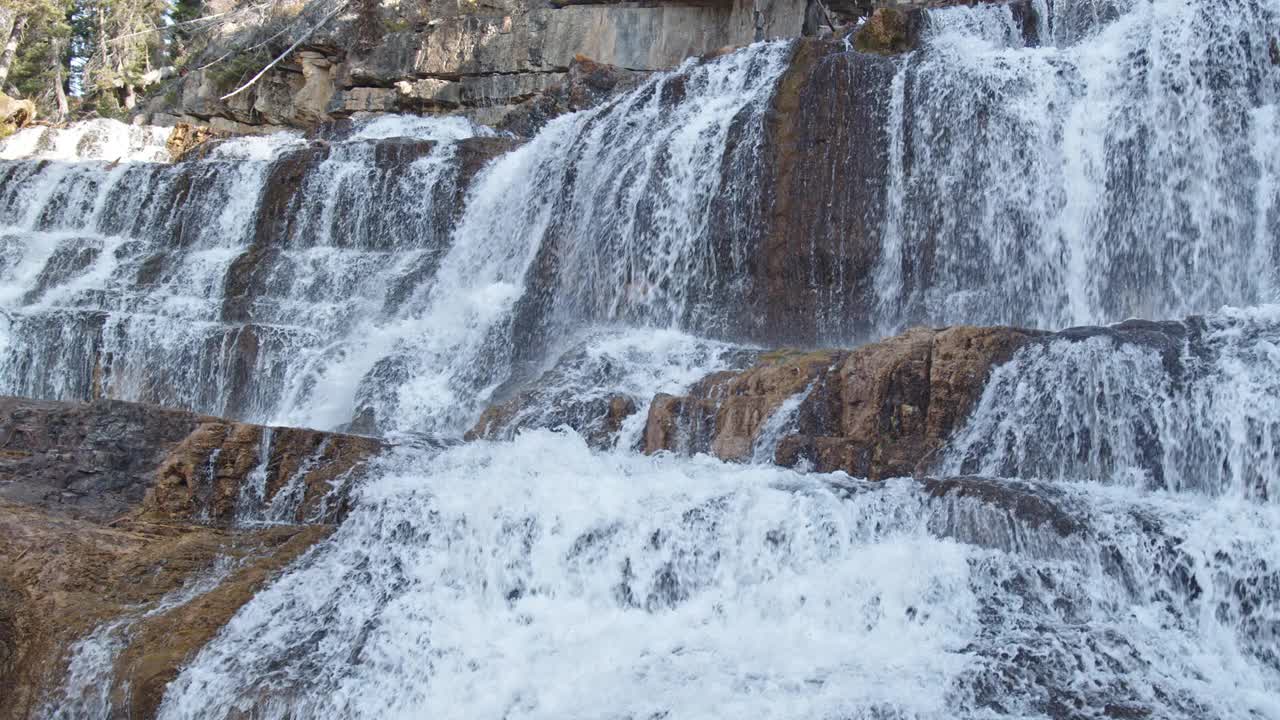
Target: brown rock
pixel 188 141
pixel 878 411
pixel 200 480
pixel 16 113
pixel 735 404
pixel 888 31
pixel 61 577
pixel 108 507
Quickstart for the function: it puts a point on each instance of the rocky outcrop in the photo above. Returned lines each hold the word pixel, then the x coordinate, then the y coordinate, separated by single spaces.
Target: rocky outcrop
pixel 150 528
pixel 440 56
pixel 484 59
pixel 186 139
pixel 888 31
pixel 876 412
pixel 15 113
pixel 587 83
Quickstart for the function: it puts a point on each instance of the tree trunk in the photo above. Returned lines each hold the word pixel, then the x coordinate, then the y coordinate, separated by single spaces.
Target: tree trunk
pixel 11 48
pixel 61 94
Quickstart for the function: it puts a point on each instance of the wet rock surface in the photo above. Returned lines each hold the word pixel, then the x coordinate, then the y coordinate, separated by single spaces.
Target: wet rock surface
pixel 93 461
pixel 878 411
pixel 151 519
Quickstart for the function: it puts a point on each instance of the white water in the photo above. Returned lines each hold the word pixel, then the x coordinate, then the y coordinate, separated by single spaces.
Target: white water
pixel 108 140
pixel 431 367
pixel 536 578
pixel 1124 167
pixel 368 294
pixel 600 365
pixel 1206 418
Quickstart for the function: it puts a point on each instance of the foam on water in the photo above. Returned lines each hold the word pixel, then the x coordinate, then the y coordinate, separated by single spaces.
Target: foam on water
pixel 536 578
pixel 102 139
pixel 414 126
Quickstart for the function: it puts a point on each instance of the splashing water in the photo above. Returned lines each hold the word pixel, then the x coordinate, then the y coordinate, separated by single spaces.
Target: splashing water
pixel 1094 160
pixel 536 578
pixel 103 139
pixel 1114 159
pixel 1191 406
pixel 431 367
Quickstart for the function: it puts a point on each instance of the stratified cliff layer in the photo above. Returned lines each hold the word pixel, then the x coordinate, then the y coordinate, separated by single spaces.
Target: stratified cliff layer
pixel 137 531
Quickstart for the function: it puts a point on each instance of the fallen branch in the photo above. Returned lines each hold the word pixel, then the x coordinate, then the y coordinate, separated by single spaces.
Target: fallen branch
pixel 251 48
pixel 340 7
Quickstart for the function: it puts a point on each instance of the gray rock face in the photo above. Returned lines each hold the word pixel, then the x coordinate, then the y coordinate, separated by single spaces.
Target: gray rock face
pixel 97 461
pixel 479 58
pixel 93 461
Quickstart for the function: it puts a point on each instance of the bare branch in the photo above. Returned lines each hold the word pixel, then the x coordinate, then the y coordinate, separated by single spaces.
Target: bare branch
pixel 339 8
pixel 196 21
pixel 251 48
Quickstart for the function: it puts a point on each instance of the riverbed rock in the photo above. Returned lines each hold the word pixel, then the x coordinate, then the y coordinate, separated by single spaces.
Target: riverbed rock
pixel 877 411
pixel 108 510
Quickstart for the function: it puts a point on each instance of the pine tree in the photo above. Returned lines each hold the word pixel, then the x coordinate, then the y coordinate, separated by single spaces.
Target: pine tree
pixel 35 54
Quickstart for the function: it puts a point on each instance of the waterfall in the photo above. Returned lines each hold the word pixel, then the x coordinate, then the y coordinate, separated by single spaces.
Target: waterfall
pixel 1196 408
pixel 1117 161
pixel 535 578
pixel 602 217
pixel 1099 539
pixel 366 279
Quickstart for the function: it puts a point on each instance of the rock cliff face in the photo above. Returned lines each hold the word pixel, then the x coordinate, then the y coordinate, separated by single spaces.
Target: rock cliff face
pixel 484 59
pixel 140 531
pixel 444 56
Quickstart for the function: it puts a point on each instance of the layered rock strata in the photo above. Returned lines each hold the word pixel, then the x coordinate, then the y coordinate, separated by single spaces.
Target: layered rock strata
pixel 146 529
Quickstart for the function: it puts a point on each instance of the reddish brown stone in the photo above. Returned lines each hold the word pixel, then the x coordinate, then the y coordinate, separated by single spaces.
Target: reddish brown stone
pixel 879 411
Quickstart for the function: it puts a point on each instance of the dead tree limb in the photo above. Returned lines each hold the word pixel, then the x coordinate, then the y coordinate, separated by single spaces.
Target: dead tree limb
pixel 285 54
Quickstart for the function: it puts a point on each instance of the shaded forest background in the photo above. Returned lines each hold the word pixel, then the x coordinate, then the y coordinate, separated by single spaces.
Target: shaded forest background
pixel 101 58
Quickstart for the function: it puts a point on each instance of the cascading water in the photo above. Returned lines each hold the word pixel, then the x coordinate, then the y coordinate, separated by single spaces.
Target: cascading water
pixel 1115 159
pixel 183 285
pixel 1196 407
pixel 1092 160
pixel 367 292
pixel 602 217
pixel 535 578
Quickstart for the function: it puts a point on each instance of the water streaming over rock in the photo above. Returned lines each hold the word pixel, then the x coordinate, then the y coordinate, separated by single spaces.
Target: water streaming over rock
pixel 1100 160
pixel 1082 162
pixel 1191 406
pixel 567 583
pixel 378 278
